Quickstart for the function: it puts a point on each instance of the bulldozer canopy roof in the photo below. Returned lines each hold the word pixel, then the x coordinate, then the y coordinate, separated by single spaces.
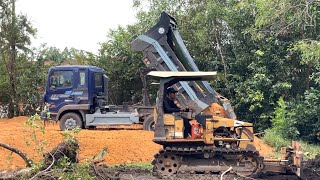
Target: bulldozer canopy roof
pixel 199 75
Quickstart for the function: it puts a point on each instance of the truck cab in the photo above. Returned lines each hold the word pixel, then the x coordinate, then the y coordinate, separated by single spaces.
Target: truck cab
pixel 70 87
pixel 77 96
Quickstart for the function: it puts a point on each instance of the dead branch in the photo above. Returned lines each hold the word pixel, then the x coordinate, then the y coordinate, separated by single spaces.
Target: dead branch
pixel 26 159
pixel 221 178
pixel 41 172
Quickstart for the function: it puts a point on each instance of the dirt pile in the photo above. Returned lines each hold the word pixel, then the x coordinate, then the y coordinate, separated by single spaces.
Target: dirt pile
pixel 264 149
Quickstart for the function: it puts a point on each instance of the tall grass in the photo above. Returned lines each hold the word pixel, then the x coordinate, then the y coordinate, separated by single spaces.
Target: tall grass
pixel 276 141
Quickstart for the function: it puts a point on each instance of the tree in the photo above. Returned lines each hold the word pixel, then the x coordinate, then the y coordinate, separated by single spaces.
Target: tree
pixel 122 65
pixel 15 35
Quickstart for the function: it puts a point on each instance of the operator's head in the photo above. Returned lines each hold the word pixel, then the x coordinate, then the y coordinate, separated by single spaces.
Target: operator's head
pixel 171 93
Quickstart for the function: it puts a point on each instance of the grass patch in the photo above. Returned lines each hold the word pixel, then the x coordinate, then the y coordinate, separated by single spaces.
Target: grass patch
pixel 77 171
pixel 310 150
pixel 73 172
pixel 276 141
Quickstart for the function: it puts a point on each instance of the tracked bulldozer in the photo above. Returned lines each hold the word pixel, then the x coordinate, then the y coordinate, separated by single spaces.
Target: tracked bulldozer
pixel 218 139
pixel 219 143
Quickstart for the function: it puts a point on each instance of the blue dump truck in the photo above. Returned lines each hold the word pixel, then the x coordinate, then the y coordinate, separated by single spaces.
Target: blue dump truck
pixel 77 96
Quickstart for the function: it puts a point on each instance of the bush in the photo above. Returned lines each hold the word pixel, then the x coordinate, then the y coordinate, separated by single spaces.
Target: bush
pixel 306 116
pixel 282 122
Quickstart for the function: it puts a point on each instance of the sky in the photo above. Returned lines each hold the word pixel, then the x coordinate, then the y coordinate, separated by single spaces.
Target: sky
pixel 81 24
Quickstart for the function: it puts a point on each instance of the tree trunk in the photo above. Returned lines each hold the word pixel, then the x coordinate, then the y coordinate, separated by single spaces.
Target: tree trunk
pixel 307 82
pixel 11 66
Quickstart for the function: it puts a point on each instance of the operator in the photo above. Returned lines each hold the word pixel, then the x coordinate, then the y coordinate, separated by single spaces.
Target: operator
pixel 170 107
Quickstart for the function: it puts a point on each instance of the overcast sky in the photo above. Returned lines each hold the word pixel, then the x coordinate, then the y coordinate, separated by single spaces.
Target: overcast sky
pixel 81 24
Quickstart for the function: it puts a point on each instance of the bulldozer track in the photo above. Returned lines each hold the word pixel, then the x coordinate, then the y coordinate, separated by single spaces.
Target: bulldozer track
pixel 205 160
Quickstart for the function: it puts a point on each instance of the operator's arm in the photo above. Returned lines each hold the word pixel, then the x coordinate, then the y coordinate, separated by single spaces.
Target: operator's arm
pixel 168 108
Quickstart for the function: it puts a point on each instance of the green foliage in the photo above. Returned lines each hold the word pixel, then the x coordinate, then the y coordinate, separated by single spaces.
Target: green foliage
pixel 64 162
pixel 15 34
pixel 305 115
pixel 122 66
pixel 282 121
pixel 66 56
pixel 77 171
pixel 283 17
pixel 298 119
pixel 310 150
pixel 101 155
pixel 142 165
pixel 34 125
pixel 310 51
pixel 70 135
pixel 275 139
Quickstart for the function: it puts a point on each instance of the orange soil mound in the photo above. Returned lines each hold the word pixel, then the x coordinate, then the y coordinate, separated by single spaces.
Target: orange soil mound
pixel 124 146
pixel 264 149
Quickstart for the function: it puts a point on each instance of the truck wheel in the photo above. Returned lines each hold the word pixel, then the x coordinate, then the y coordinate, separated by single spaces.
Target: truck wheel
pixel 70 121
pixel 149 124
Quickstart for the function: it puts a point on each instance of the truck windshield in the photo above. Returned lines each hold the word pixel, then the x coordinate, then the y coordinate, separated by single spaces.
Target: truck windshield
pixel 61 79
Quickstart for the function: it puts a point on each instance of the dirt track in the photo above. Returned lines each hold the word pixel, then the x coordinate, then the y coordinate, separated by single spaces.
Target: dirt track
pixel 124 146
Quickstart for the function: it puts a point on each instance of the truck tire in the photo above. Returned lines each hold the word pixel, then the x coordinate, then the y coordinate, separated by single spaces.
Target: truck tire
pixel 149 124
pixel 70 121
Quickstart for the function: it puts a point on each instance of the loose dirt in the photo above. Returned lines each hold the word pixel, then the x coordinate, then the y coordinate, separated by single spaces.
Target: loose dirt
pixel 264 149
pixel 311 169
pixel 124 146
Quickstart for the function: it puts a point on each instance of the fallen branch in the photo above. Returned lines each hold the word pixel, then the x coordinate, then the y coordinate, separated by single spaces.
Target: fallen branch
pixel 53 160
pixel 221 178
pixel 26 159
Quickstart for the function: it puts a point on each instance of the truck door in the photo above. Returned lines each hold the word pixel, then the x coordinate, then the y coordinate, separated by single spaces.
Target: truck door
pixel 61 83
pixel 80 91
